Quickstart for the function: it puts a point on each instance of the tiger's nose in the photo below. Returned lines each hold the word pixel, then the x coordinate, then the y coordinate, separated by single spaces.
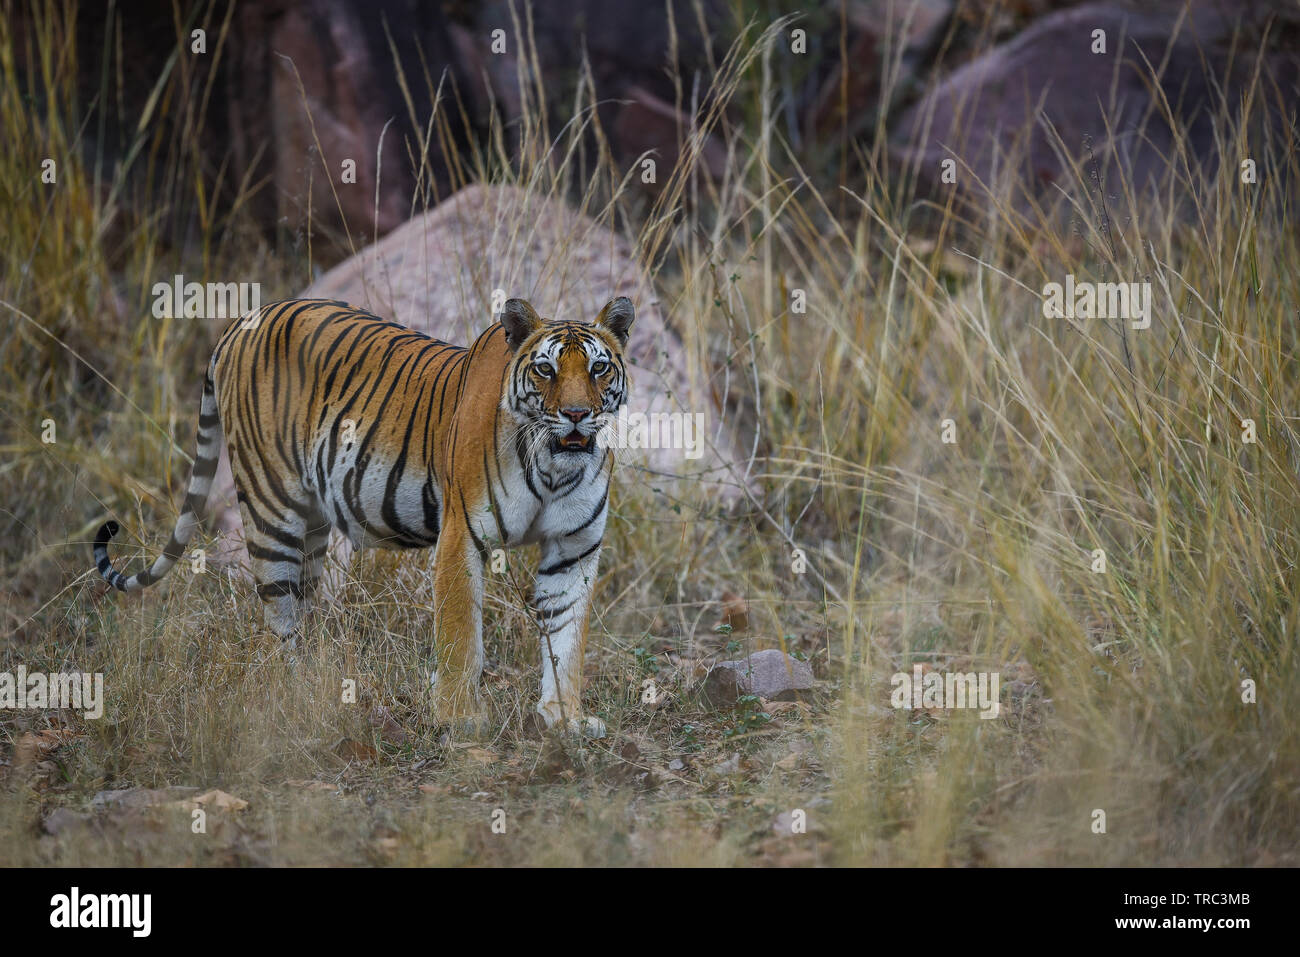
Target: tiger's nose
pixel 575 415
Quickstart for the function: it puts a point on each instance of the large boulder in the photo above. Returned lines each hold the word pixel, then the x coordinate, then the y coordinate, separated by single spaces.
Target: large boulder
pixel 630 52
pixel 1049 82
pixel 285 92
pixel 313 84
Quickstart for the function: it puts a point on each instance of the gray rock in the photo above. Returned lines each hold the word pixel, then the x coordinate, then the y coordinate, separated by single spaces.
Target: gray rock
pixel 139 797
pixel 728 766
pixel 811 820
pixel 317 79
pixel 770 674
pixel 1048 78
pixel 63 819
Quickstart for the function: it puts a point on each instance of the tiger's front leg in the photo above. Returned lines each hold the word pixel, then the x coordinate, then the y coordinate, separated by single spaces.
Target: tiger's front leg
pixel 562 601
pixel 458 626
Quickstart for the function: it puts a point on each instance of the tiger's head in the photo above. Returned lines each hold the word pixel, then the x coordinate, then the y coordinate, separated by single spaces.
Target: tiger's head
pixel 565 378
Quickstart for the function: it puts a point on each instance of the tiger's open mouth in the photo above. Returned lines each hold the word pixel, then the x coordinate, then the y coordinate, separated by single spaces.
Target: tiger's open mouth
pixel 575 441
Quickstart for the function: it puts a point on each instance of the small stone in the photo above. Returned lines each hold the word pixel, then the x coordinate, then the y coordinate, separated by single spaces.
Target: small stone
pixel 728 767
pixel 770 674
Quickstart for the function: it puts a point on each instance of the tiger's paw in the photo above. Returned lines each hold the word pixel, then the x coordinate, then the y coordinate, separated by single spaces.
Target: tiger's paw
pixel 588 726
pixel 457 710
pixel 467 727
pixel 576 723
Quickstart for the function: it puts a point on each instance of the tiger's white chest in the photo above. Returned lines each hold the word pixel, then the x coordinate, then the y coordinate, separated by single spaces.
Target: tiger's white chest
pixel 557 496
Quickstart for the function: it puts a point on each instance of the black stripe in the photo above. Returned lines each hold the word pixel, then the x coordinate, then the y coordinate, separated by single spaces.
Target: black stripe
pixel 272 555
pixel 567 563
pixel 552 627
pixel 279 590
pixel 594 515
pixel 174 548
pixel 267 528
pixel 548 613
pixel 526 466
pixel 205 466
pixel 492 502
pixel 478 542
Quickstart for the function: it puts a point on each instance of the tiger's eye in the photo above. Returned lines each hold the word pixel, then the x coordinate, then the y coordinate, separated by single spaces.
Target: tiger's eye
pixel 599 367
pixel 544 370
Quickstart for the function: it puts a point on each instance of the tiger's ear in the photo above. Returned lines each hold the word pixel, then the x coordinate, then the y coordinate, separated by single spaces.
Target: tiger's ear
pixel 520 321
pixel 617 317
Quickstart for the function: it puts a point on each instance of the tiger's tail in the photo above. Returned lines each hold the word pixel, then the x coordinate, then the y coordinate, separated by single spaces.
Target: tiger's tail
pixel 196 498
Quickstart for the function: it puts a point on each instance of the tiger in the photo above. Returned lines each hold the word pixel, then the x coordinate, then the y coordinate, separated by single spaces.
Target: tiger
pixel 337 418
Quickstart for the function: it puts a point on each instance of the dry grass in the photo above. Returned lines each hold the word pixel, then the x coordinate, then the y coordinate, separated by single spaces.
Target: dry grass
pixel 1121 690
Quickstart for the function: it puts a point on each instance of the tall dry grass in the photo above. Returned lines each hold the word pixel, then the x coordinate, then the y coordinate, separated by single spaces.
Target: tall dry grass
pixel 1121 689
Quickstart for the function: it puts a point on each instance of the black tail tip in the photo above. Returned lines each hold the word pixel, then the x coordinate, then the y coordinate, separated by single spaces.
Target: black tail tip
pixel 106 531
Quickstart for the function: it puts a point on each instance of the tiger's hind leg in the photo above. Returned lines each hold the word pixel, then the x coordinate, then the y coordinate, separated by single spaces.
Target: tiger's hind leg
pixel 275 550
pixel 278 551
pixel 316 545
